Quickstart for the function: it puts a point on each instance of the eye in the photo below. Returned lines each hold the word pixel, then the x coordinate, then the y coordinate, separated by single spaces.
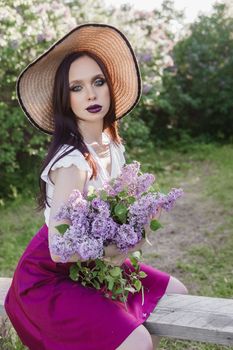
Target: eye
pixel 74 88
pixel 98 82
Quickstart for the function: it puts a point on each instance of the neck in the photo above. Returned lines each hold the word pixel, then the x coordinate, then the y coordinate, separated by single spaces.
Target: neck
pixel 92 132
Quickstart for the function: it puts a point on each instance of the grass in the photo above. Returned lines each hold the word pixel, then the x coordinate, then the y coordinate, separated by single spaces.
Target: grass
pixel 19 223
pixel 208 266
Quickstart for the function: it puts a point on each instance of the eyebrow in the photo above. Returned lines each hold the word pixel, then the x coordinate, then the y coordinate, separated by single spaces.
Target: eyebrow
pixel 93 78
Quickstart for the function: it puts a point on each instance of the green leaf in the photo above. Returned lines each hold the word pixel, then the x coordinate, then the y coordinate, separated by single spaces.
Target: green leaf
pixel 137 254
pixel 116 271
pixel 110 283
pixel 120 210
pixel 79 264
pixel 130 289
pixel 155 225
pixel 133 260
pixel 118 291
pixel 122 194
pixel 74 275
pixel 101 278
pixel 62 228
pixel 103 195
pixel 96 284
pixel 142 274
pixel 131 199
pixel 138 285
pixel 91 197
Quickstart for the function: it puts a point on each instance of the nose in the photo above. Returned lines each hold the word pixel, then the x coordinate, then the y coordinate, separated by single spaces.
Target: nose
pixel 91 94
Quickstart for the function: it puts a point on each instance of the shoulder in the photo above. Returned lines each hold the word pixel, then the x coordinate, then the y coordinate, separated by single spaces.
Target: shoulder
pixel 68 156
pixel 69 178
pixel 64 158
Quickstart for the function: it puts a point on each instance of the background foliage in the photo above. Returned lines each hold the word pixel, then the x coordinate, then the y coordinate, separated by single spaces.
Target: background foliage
pixel 197 93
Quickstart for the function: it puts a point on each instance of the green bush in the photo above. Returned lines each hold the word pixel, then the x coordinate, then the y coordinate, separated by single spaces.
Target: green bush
pixel 197 92
pixel 22 149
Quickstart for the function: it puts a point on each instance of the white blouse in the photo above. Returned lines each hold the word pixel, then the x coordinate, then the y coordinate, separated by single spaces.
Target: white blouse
pixel 77 158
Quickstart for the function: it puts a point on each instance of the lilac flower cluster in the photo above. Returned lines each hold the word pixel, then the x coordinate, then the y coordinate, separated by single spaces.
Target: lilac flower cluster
pixel 97 222
pixel 149 204
pixel 130 180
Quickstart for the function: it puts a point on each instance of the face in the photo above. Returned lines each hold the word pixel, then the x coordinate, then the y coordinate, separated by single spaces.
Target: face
pixel 88 86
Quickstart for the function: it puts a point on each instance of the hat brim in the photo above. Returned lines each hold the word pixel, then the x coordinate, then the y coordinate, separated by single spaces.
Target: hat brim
pixel 35 83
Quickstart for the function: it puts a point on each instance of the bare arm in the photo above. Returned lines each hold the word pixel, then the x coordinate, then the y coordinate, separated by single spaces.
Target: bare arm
pixel 66 180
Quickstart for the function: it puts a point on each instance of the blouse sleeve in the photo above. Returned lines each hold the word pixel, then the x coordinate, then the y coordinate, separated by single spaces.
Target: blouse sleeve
pixel 73 158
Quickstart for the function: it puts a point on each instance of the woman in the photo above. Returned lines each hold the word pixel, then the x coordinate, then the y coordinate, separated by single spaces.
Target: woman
pixel 77 91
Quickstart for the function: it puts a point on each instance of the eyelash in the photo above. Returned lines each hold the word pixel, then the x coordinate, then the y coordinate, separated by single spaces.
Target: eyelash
pixel 100 79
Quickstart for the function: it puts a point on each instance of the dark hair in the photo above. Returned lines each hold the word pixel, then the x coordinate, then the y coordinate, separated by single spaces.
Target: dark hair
pixel 66 130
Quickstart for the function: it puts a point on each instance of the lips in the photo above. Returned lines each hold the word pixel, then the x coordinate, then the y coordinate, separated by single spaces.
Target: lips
pixel 94 108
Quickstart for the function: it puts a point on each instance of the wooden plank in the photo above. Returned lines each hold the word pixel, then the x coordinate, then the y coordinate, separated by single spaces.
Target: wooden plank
pixel 192 317
pixel 4 286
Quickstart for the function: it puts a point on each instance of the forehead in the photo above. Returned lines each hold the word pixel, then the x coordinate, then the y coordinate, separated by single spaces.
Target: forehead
pixel 84 68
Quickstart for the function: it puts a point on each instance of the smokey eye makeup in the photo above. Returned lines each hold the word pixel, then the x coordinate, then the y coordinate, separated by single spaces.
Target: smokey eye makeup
pixel 99 81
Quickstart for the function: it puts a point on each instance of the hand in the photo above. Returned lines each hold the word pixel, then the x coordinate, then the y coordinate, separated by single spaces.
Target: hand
pixel 117 259
pixel 138 246
pixel 117 256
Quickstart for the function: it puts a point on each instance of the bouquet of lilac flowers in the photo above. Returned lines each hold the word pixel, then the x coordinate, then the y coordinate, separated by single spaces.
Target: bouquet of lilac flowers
pixel 115 214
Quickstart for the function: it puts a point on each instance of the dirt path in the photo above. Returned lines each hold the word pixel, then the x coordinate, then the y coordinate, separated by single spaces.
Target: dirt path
pixel 186 225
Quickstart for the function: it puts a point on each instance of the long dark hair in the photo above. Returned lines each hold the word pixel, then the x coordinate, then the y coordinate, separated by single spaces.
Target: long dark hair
pixel 66 130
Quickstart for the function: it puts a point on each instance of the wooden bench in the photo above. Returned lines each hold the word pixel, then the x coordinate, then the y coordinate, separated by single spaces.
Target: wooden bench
pixel 187 317
pixel 191 317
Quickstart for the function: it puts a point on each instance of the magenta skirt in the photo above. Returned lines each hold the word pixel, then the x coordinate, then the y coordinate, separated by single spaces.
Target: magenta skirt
pixel 49 311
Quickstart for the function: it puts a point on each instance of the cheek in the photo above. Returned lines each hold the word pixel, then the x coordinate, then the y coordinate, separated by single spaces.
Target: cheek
pixel 107 94
pixel 74 101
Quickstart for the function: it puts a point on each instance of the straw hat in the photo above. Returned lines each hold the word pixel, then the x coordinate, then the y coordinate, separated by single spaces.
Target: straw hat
pixel 35 83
